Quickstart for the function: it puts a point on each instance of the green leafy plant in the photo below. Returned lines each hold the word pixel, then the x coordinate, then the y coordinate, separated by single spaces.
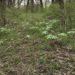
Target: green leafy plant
pixel 4 30
pixel 71 32
pixel 51 37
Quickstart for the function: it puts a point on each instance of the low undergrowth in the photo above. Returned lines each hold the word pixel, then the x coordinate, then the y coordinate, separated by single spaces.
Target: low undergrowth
pixel 33 44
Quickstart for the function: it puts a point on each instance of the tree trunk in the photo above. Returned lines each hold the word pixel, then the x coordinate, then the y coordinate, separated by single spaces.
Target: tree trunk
pixel 62 15
pixel 41 3
pixel 2 12
pixel 30 4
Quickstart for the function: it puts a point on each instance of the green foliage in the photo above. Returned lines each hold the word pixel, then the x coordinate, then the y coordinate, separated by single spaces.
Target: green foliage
pixel 1 42
pixel 71 32
pixel 51 37
pixel 4 30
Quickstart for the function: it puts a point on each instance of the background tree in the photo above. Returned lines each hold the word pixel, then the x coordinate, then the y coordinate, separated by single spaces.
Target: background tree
pixel 41 3
pixel 2 12
pixel 30 4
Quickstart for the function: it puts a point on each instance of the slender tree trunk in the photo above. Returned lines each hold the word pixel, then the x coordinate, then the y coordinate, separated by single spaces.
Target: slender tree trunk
pixel 62 15
pixel 19 3
pixel 30 4
pixel 2 12
pixel 53 1
pixel 69 15
pixel 41 3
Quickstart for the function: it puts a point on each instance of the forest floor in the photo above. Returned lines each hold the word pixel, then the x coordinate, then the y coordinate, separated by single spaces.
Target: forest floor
pixel 25 52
